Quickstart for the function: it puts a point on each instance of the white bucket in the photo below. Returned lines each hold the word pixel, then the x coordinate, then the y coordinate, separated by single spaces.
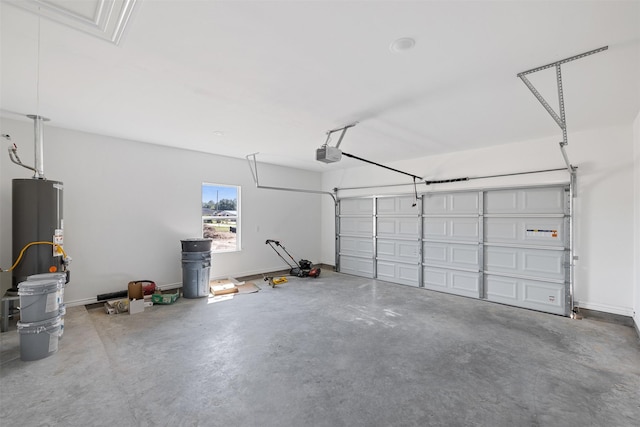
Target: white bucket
pixel 60 277
pixel 39 300
pixel 39 339
pixel 62 311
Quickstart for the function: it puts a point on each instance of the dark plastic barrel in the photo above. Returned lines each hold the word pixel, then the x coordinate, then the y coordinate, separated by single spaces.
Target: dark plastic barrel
pixel 196 244
pixel 196 267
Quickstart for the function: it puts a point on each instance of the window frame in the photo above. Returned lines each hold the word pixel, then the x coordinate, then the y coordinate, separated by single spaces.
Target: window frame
pixel 238 242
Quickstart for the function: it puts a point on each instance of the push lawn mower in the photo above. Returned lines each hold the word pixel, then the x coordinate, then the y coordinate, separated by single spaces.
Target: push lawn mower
pixel 302 268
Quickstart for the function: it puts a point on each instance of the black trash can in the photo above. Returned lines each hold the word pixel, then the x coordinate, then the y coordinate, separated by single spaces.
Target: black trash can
pixel 196 267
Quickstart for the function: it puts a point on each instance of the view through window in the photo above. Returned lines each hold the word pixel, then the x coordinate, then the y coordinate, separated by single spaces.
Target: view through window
pixel 220 216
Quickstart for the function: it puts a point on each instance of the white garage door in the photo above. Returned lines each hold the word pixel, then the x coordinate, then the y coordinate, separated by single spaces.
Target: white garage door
pixel 509 246
pixel 356 237
pixel 526 256
pixel 452 237
pixel 397 243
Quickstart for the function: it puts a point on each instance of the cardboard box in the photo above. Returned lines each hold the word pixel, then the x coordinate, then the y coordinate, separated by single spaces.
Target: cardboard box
pixel 136 306
pixel 134 290
pixel 224 289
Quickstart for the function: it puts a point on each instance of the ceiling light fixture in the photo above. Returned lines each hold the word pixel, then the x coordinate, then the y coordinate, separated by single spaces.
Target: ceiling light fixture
pixel 218 133
pixel 402 45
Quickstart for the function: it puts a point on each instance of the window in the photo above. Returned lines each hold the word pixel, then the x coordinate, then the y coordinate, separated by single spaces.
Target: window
pixel 220 216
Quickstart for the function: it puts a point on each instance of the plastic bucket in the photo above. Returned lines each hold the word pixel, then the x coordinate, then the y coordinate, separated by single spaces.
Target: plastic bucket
pixel 195 278
pixel 60 277
pixel 39 300
pixel 39 339
pixel 62 311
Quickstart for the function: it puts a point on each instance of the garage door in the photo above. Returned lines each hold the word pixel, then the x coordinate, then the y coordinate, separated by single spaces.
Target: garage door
pixel 397 242
pixel 356 237
pixel 507 245
pixel 526 250
pixel 452 237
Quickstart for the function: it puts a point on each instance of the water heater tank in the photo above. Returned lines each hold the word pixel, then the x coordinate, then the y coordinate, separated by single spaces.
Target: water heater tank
pixel 36 217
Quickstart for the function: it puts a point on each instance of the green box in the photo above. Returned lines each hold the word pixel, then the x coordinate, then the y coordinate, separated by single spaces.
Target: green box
pixel 165 298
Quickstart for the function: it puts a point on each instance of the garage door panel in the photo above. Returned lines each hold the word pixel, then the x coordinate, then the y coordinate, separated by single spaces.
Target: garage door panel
pixel 356 226
pixel 525 231
pixel 466 282
pixel 356 246
pixel 536 295
pixel 356 206
pixel 436 228
pixel 502 289
pixel 398 250
pixel 451 255
pixel 453 229
pixel 396 205
pixel 398 227
pixel 526 201
pixel 398 273
pixel 544 200
pixel 453 203
pixel 452 281
pixel 434 203
pixel 356 266
pixel 543 263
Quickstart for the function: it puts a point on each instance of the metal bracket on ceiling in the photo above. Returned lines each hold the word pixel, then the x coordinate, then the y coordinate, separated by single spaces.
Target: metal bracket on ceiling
pixel 254 173
pixel 343 129
pixel 560 119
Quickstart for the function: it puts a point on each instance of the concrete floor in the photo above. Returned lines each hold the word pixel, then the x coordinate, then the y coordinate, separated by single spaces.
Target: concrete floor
pixel 333 351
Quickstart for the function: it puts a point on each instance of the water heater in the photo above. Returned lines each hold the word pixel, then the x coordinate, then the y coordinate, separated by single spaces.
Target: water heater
pixel 37 217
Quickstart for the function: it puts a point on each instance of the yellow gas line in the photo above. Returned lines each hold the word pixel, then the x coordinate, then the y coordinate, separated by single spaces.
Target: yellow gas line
pixel 55 245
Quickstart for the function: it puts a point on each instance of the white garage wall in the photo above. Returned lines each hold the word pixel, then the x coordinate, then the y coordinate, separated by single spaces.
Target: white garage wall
pixel 636 145
pixel 604 208
pixel 127 204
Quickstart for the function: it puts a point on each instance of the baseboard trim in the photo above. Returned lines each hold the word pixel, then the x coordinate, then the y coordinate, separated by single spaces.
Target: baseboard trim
pixel 169 286
pixel 86 301
pixel 606 317
pixel 622 311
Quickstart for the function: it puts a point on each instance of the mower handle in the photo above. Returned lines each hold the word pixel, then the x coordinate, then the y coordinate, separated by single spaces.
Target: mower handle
pixel 272 241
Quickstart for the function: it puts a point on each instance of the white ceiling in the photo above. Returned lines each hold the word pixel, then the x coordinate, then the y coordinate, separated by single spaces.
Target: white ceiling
pixel 276 76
